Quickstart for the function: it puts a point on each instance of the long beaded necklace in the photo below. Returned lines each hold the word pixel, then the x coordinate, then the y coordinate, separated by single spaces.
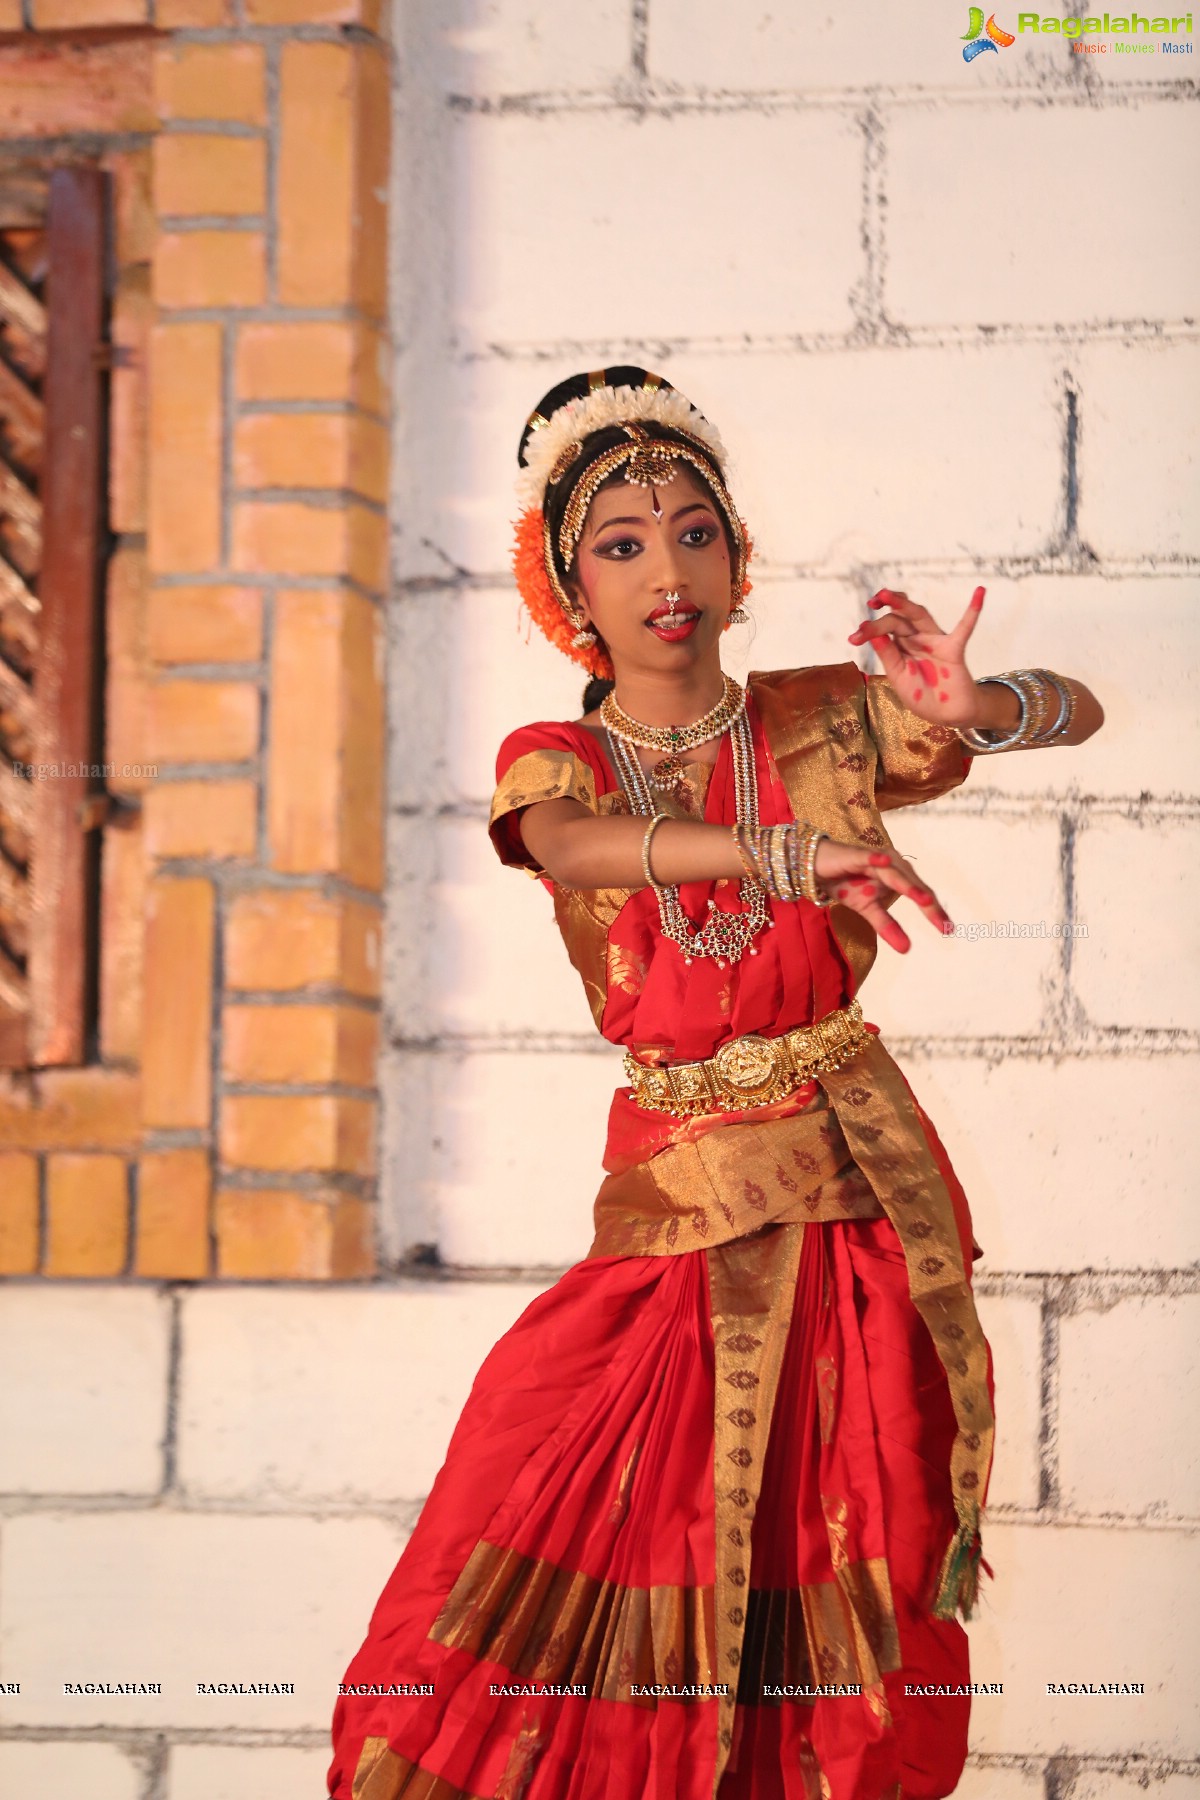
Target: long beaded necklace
pixel 724 936
pixel 668 774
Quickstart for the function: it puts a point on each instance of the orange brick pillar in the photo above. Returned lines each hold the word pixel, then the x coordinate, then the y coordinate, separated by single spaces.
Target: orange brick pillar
pixel 267 551
pixel 229 1126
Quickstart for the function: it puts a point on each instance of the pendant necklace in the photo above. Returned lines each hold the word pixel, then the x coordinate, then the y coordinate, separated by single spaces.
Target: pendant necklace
pixel 725 936
pixel 667 775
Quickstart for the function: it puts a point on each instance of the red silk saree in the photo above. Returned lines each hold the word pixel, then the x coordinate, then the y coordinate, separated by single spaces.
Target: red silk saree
pixel 713 1503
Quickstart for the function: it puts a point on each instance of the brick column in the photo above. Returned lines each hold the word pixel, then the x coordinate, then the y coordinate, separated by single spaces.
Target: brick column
pixel 241 919
pixel 267 551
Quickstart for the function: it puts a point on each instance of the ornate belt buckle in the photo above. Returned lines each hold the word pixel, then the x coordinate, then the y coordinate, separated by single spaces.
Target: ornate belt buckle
pixel 749 1068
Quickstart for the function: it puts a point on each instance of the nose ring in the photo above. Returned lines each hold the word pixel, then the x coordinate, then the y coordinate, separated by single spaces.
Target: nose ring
pixel 672 600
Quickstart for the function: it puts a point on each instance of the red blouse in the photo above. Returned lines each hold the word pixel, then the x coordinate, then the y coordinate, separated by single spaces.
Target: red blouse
pixel 654 1000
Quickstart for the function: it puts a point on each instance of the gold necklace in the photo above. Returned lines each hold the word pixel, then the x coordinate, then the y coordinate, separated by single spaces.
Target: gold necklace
pixel 673 738
pixel 724 936
pixel 667 775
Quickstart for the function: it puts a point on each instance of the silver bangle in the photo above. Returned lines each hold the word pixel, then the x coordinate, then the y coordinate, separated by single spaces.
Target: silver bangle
pixel 986 743
pixel 1066 702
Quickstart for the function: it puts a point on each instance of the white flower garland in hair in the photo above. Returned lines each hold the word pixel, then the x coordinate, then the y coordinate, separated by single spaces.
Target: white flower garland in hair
pixel 608 406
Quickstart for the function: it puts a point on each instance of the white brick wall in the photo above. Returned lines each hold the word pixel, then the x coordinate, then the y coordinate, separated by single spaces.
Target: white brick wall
pixel 54 1768
pixel 185 1598
pixel 299 1434
pixel 1071 1162
pixel 227 1772
pixel 788 264
pixel 1139 877
pixel 1072 1604
pixel 1117 1454
pixel 1033 261
pixel 804 52
pixel 1138 472
pixel 95 1373
pixel 944 318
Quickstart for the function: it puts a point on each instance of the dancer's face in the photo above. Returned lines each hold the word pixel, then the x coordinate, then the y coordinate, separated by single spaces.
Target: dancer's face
pixel 628 561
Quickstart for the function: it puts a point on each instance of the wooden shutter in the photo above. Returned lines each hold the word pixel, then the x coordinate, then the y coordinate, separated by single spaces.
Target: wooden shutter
pixel 52 304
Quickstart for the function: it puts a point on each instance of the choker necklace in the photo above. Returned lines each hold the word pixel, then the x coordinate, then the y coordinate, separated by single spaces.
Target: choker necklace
pixel 673 739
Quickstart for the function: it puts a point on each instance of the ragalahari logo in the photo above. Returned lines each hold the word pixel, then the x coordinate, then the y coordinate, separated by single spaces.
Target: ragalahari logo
pixel 975 43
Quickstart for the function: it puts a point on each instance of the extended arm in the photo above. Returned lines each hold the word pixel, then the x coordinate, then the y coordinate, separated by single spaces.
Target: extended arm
pixel 579 850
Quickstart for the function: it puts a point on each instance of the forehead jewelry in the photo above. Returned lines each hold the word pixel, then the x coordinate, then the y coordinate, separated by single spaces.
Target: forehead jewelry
pixel 648 463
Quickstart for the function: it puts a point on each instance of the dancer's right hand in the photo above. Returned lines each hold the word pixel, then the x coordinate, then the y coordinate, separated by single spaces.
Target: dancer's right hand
pixel 865 880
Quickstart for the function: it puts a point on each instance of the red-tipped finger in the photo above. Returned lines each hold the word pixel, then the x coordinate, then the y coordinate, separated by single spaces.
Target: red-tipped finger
pixel 888 930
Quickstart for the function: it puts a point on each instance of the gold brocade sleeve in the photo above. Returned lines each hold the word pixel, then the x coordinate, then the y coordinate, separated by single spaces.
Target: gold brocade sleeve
pixel 538 775
pixel 917 760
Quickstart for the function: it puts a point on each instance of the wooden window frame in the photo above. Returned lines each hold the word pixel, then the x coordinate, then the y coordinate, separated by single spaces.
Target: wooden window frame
pixel 58 1025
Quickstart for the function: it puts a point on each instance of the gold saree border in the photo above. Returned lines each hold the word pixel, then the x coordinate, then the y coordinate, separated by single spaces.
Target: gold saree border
pixel 822 1633
pixel 827 1633
pixel 726 1187
pixel 546 1623
pixel 543 774
pixel 919 760
pixel 839 1632
pixel 844 751
pixel 731 1181
pixel 888 1143
pixel 814 721
pixel 752 1283
pixel 540 1622
pixel 818 727
pixel 383 1774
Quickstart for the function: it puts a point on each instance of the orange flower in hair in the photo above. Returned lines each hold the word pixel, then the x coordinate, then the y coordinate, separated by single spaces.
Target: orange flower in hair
pixel 533 585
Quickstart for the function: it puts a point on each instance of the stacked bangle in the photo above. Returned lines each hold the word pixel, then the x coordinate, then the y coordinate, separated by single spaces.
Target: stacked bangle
pixel 782 859
pixel 1042 695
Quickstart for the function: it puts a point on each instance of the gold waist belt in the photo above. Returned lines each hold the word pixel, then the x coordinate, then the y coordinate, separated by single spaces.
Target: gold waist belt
pixel 750 1070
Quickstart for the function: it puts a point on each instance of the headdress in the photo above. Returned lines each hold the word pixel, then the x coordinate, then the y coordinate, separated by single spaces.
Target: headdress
pixel 581 433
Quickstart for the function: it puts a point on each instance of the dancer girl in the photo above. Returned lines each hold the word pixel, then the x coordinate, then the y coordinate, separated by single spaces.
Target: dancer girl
pixel 713 1507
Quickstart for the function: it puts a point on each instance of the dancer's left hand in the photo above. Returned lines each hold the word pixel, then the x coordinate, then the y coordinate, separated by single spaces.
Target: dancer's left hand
pixel 922 662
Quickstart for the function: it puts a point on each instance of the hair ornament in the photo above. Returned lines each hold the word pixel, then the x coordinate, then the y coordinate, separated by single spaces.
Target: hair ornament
pixel 602 407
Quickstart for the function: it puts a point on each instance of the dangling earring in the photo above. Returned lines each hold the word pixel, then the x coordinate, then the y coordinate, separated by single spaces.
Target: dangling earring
pixel 585 637
pixel 738 616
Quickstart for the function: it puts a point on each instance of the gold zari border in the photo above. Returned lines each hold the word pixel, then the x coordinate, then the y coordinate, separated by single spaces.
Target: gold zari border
pixel 841 1632
pixel 730 1182
pixel 545 1623
pixel 383 1774
pixel 543 774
